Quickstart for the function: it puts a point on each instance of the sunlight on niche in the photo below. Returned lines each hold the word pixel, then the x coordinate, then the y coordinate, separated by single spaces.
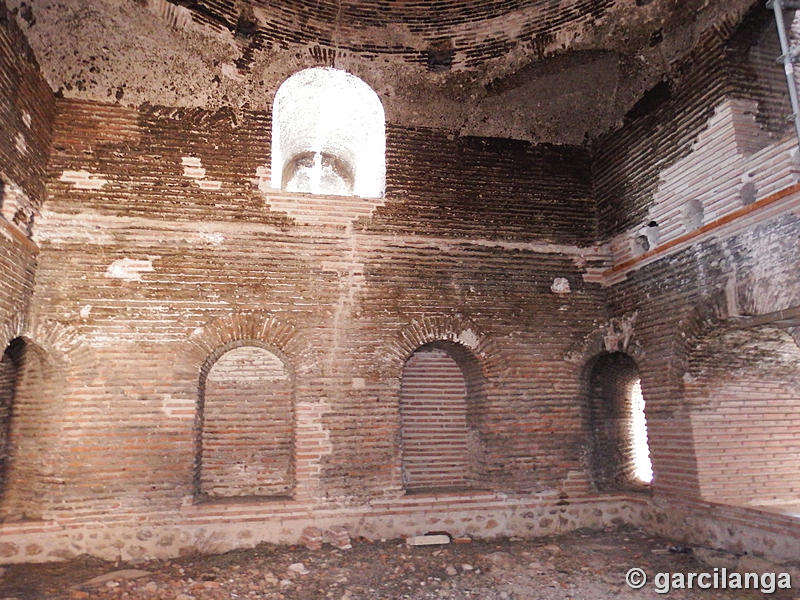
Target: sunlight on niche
pixel 642 467
pixel 328 135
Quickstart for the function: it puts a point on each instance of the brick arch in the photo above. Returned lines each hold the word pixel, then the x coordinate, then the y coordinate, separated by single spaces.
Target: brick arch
pixel 258 327
pixel 442 408
pixel 53 351
pixel 245 439
pixel 61 342
pixel 616 335
pixel 696 323
pixel 216 340
pixel 703 318
pixel 477 358
pixel 218 353
pixel 706 323
pixel 742 391
pixel 607 382
pixel 12 328
pixel 457 329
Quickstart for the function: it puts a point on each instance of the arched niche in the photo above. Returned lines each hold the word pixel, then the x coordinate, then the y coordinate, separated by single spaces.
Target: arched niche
pixel 27 391
pixel 328 135
pixel 620 454
pixel 742 388
pixel 440 411
pixel 245 442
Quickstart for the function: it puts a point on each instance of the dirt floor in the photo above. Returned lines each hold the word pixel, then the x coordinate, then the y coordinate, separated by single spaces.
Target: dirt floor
pixel 584 565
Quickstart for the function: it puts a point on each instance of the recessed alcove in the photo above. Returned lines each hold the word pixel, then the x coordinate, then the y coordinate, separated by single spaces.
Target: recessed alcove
pixel 245 437
pixel 328 135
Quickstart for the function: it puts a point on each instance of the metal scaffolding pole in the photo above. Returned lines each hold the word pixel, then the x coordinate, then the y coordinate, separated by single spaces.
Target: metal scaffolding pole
pixel 789 55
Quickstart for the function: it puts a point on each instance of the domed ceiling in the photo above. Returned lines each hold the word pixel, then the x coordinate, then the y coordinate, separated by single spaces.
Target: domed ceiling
pixel 543 70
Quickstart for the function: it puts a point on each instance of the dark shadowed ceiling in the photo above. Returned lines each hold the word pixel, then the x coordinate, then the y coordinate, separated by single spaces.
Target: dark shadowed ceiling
pixel 543 70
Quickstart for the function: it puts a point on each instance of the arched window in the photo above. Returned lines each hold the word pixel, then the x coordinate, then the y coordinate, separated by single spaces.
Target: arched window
pixel 441 445
pixel 328 135
pixel 246 419
pixel 620 451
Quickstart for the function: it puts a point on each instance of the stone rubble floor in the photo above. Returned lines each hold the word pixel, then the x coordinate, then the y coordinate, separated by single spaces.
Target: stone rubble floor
pixel 582 565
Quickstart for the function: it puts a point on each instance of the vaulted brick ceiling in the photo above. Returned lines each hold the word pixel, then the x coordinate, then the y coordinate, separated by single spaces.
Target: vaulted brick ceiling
pixel 544 70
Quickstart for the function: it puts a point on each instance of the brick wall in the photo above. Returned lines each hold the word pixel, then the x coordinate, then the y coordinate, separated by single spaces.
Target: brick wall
pixel 679 299
pixel 9 367
pixel 745 415
pixel 246 426
pixel 717 143
pixel 32 434
pixel 139 258
pixel 731 63
pixel 161 248
pixel 485 188
pixel 436 185
pixel 26 114
pixel 506 295
pixel 433 422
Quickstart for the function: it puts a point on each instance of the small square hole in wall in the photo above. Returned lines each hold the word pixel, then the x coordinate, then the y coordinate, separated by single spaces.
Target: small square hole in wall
pixel 748 192
pixel 646 239
pixel 692 215
pixel 440 56
pixel 640 245
pixel 653 234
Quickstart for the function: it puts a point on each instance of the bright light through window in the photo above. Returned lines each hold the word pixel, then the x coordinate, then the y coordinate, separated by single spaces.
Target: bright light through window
pixel 328 135
pixel 642 467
